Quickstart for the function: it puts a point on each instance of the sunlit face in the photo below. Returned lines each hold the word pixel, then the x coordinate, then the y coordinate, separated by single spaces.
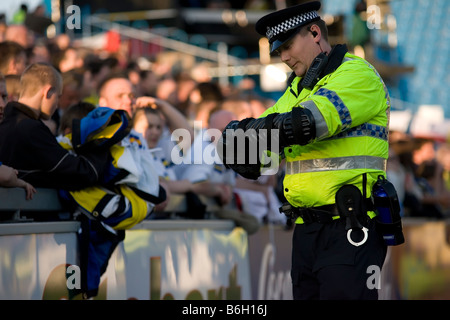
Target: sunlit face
pixel 298 53
pixel 150 126
pixel 118 94
pixel 425 153
pixel 71 61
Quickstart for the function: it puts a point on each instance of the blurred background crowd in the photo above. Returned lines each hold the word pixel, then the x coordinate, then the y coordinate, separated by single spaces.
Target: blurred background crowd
pixel 201 57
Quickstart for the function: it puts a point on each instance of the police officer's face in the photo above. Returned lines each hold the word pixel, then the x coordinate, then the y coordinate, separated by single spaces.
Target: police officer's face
pixel 299 52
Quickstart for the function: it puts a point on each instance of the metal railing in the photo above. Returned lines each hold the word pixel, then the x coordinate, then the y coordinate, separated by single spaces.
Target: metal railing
pixel 166 42
pixel 221 57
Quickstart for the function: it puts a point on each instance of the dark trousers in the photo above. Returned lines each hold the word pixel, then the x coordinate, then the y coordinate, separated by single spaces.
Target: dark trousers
pixel 326 266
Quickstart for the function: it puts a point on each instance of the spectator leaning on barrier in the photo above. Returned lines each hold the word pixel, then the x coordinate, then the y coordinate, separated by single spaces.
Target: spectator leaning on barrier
pixel 27 144
pixel 332 124
pixel 9 179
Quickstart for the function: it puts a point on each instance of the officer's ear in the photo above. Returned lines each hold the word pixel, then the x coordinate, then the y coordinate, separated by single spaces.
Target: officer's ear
pixel 315 31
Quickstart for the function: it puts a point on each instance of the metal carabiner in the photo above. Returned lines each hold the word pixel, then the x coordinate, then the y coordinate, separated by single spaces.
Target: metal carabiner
pixel 357 244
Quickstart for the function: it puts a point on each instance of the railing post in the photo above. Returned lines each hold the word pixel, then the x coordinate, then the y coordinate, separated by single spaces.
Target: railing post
pixel 222 55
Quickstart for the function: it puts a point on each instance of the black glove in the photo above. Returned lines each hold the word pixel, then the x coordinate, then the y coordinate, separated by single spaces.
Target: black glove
pixel 286 129
pixel 294 127
pixel 248 171
pixel 237 157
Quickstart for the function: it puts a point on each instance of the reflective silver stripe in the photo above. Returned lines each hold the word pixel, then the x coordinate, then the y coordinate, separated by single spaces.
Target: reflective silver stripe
pixel 332 164
pixel 321 125
pixel 347 59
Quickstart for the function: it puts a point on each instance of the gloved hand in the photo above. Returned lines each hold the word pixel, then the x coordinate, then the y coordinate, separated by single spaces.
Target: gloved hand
pixel 237 157
pixel 284 129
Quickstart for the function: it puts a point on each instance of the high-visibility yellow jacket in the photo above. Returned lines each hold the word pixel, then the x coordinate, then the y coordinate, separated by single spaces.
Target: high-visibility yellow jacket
pixel 351 110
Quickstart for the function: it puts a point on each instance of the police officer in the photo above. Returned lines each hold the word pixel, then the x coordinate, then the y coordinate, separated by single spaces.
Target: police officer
pixel 331 125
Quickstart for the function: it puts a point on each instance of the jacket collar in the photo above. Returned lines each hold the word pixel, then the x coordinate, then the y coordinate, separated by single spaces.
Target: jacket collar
pixel 22 108
pixel 335 58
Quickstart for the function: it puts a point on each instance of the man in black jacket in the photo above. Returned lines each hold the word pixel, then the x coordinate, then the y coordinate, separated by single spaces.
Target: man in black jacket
pixel 27 144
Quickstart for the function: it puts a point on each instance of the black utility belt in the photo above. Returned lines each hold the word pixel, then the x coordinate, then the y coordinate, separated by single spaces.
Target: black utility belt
pixel 355 209
pixel 322 214
pixel 350 206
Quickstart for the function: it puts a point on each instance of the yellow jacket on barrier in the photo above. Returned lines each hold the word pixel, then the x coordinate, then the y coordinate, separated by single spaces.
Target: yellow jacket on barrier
pixel 351 111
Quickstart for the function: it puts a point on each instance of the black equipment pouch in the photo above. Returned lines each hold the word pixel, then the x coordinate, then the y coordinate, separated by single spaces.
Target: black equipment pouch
pixel 350 205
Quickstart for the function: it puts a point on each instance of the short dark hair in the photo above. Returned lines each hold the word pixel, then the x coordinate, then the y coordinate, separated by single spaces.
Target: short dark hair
pixel 321 24
pixel 76 111
pixel 145 111
pixel 72 78
pixel 9 50
pixel 36 76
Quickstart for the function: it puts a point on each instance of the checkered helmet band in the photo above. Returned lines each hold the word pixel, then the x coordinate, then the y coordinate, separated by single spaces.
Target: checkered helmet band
pixel 289 24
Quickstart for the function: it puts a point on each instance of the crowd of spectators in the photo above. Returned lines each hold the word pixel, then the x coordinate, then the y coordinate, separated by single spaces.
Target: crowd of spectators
pixel 161 101
pixel 419 168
